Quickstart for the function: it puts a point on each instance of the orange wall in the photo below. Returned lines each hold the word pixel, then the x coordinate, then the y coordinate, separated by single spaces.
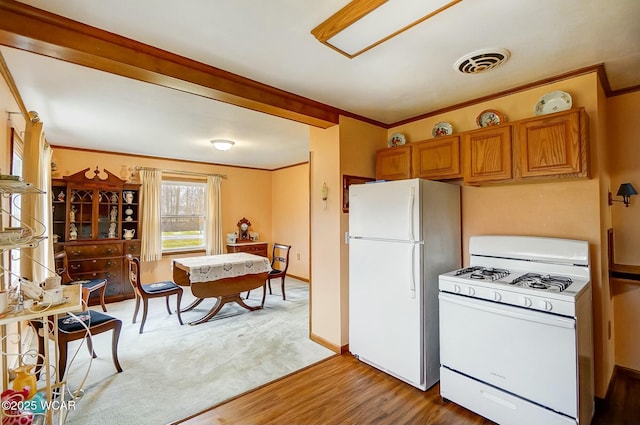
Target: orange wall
pixel 565 209
pixel 290 215
pixel 327 302
pixel 624 156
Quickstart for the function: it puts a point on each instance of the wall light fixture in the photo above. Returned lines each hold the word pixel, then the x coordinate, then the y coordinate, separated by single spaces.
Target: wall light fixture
pixel 626 190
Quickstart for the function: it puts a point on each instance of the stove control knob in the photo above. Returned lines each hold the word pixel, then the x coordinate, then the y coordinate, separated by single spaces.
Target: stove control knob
pixel 526 301
pixel 546 305
pixel 456 288
pixel 471 291
pixel 497 296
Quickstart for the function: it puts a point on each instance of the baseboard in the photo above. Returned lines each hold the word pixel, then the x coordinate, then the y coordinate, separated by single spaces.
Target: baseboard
pixel 333 347
pixel 303 279
pixel 628 371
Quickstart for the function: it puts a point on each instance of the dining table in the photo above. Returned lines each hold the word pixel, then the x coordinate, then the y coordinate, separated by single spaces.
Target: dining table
pixel 222 276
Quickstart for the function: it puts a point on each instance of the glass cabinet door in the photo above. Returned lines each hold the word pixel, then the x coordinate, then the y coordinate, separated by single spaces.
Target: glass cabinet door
pixel 80 214
pixel 108 213
pixel 59 211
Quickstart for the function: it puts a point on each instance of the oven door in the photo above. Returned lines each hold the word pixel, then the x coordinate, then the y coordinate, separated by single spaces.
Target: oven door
pixel 527 353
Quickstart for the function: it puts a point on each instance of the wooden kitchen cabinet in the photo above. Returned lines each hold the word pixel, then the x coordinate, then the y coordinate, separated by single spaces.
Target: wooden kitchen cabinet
pixel 393 163
pixel 486 155
pixel 91 217
pixel 552 145
pixel 437 158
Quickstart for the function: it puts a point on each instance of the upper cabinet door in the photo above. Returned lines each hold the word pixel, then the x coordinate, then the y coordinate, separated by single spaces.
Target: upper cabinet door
pixel 437 158
pixel 487 155
pixel 552 145
pixel 393 163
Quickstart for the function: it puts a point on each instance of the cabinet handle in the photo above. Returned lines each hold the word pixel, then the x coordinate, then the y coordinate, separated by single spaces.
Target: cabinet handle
pixel 93 261
pixel 75 252
pixel 110 250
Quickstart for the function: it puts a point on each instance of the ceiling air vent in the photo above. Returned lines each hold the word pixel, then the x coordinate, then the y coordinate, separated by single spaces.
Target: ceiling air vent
pixel 481 60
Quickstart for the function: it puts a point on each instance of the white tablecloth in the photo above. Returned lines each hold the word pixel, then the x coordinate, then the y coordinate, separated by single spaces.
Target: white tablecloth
pixel 214 267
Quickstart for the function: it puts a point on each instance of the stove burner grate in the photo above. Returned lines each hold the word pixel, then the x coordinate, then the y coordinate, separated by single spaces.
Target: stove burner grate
pixel 483 273
pixel 468 270
pixel 546 282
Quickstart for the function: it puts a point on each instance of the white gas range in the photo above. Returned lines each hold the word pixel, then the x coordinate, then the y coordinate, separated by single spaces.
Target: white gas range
pixel 515 331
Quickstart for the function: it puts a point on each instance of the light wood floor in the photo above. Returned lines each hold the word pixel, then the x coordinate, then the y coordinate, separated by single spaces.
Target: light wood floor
pixel 339 390
pixel 342 390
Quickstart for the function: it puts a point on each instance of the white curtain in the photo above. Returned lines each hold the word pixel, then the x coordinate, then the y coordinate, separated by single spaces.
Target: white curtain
pixel 37 263
pixel 150 196
pixel 213 223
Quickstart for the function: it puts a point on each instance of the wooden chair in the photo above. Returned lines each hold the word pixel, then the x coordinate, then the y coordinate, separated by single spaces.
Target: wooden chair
pixel 70 329
pixel 88 286
pixel 151 290
pixel 279 265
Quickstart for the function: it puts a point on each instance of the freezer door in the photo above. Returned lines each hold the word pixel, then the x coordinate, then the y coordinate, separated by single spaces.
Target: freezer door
pixel 385 307
pixel 388 210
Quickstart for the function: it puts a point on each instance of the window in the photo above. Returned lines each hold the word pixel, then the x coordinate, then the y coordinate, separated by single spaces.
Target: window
pixel 182 215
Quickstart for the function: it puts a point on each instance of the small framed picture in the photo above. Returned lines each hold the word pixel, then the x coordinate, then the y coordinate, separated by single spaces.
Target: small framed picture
pixel 348 181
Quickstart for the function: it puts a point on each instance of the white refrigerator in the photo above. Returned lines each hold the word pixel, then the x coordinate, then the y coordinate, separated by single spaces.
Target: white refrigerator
pixel 402 235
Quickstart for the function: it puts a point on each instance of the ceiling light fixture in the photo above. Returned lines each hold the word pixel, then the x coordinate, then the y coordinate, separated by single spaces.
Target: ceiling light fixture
pixel 363 24
pixel 222 145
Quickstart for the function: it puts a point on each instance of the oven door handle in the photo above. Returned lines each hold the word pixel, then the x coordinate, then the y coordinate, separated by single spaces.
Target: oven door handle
pixel 509 311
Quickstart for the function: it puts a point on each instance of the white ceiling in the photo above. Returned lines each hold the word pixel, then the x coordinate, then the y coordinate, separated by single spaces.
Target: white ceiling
pixel 270 42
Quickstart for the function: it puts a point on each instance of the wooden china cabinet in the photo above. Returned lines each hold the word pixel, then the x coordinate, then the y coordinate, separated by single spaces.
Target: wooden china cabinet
pixel 96 220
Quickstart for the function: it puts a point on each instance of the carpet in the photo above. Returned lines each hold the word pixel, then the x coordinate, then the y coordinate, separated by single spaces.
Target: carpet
pixel 173 371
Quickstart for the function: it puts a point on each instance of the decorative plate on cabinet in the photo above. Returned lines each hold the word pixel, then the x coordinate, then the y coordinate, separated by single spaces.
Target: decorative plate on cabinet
pixel 490 117
pixel 555 101
pixel 442 128
pixel 396 139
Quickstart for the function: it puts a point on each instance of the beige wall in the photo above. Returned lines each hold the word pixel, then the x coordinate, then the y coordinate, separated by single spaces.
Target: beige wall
pixel 565 209
pixel 290 215
pixel 327 300
pixel 624 157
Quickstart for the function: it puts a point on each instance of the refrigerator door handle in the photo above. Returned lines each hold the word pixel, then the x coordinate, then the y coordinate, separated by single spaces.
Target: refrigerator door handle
pixel 412 281
pixel 412 197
